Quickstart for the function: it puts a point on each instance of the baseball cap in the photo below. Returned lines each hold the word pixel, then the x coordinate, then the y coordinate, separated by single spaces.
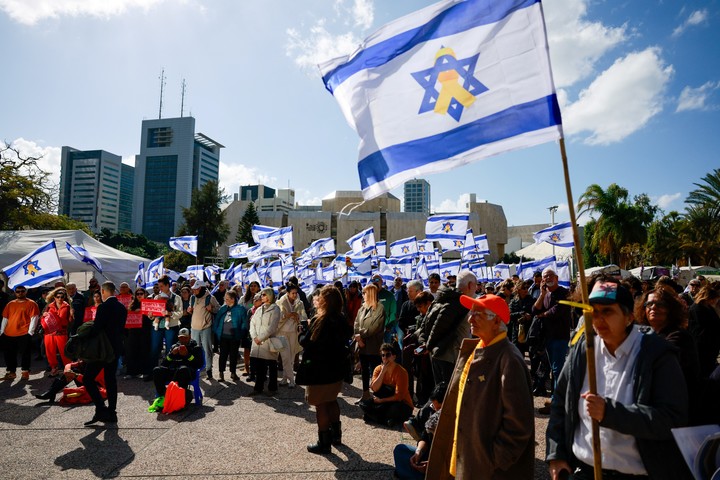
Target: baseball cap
pixel 184 332
pixel 606 293
pixel 199 284
pixel 492 302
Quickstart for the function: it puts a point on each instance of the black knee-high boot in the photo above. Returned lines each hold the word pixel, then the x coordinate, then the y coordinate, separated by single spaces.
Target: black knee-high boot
pixel 323 444
pixel 56 387
pixel 336 429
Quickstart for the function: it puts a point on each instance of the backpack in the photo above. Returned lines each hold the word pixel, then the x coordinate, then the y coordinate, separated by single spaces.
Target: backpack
pixel 89 347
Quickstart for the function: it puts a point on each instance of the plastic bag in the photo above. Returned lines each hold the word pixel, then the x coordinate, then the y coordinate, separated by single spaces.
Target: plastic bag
pixel 174 398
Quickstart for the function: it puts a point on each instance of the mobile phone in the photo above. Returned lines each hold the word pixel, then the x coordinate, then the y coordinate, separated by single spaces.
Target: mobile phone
pixel 420 349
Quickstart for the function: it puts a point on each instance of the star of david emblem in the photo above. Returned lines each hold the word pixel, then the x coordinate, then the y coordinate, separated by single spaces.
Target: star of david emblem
pixel 280 242
pixel 458 243
pixel 186 246
pixel 447 227
pixel 191 275
pixel 322 248
pixel 421 248
pixel 406 249
pixel 397 272
pixel 32 268
pixel 498 274
pixel 555 237
pixel 446 273
pixel 156 274
pixel 363 242
pixel 458 86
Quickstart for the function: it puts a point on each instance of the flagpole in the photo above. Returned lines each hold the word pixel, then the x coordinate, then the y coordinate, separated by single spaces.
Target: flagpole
pixel 589 332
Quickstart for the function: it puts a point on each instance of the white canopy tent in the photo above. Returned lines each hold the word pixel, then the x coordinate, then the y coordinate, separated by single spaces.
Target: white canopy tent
pixel 117 266
pixel 537 251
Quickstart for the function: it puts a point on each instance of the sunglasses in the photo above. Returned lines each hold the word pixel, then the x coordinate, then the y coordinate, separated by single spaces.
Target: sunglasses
pixel 386 355
pixel 654 303
pixel 140 294
pixel 59 295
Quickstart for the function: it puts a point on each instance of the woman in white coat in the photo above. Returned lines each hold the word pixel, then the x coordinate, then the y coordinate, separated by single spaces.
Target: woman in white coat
pixel 293 312
pixel 264 324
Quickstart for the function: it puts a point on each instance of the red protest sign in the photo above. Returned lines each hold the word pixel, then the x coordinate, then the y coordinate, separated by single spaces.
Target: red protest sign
pixel 152 307
pixel 134 319
pixel 125 300
pixel 89 314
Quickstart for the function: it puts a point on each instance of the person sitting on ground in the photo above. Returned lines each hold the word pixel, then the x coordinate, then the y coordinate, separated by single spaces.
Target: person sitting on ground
pixel 391 403
pixel 179 365
pixel 411 463
pixel 73 372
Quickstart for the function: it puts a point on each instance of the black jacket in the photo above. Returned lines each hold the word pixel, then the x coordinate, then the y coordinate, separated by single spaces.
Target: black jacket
pixel 194 359
pixel 324 359
pixel 110 318
pixel 77 303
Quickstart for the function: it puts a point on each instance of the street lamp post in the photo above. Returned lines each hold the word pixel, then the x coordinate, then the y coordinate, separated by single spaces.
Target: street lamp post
pixel 553 209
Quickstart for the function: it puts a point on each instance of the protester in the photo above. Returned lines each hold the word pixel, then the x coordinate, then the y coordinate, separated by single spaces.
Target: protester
pixel 704 326
pixel 248 301
pixel 109 318
pixel 203 308
pixel 324 365
pixel 97 299
pixel 389 304
pixel 637 403
pixel 138 343
pixel 228 328
pixel 421 358
pixel 89 294
pixel 520 315
pixel 368 330
pixel 353 300
pixel 166 325
pixel 55 341
pixel 391 403
pixel 73 371
pixel 487 425
pixel 77 303
pixel 434 284
pixel 19 320
pixel 185 295
pixel 293 312
pixel 179 365
pixel 263 325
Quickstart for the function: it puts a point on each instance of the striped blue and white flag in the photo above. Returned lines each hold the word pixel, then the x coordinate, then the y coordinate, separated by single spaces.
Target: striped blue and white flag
pixel 447 227
pixel 469 250
pixel 321 248
pixel 238 250
pixel 258 230
pixel 451 245
pixel 450 84
pixel 187 244
pixel 361 266
pixel 560 235
pixel 140 275
pixel 172 274
pixel 527 269
pixel 194 271
pixel 362 242
pixel 563 273
pixel 35 268
pixel 449 268
pixel 481 244
pixel 501 272
pixel 426 248
pixel 278 241
pixel 255 254
pixel 251 275
pixel 420 271
pixel 84 256
pixel 392 268
pixel 406 247
pixel 381 248
pixel 154 271
pixel 274 274
pixel 210 272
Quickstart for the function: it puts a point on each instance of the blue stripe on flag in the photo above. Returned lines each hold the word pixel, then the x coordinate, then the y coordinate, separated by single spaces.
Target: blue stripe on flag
pixel 35 281
pixel 456 19
pixel 14 267
pixel 516 120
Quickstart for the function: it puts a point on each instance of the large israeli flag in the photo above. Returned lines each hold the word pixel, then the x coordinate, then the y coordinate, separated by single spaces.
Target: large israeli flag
pixel 527 269
pixel 35 268
pixel 560 235
pixel 447 227
pixel 425 248
pixel 187 244
pixel 194 271
pixel 321 248
pixel 258 230
pixel 278 241
pixel 501 271
pixel 450 84
pixel 84 256
pixel 154 271
pixel 406 247
pixel 392 268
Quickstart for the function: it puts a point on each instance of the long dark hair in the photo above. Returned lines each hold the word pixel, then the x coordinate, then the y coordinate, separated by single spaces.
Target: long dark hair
pixel 330 305
pixel 248 293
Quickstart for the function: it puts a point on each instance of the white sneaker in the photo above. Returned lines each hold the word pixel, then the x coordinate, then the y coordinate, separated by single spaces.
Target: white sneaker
pixel 283 382
pixel 291 385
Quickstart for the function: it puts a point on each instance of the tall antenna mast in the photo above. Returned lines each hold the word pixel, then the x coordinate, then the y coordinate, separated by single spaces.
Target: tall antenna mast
pixel 162 86
pixel 182 99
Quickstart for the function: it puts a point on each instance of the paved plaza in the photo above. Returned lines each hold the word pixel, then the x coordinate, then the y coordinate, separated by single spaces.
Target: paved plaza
pixel 230 436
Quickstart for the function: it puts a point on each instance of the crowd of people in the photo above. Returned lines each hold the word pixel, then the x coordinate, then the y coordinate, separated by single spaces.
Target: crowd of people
pixel 467 358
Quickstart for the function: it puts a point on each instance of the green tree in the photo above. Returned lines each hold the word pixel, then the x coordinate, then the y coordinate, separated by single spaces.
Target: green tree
pixel 699 234
pixel 206 219
pixel 249 218
pixel 620 222
pixel 707 195
pixel 663 242
pixel 132 243
pixel 25 190
pixel 509 258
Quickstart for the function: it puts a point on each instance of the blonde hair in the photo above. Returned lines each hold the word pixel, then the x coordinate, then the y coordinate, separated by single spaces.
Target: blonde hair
pixel 50 298
pixel 371 297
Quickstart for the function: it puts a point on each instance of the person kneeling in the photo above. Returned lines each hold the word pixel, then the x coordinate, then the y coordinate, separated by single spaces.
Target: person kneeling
pixel 391 403
pixel 73 372
pixel 180 365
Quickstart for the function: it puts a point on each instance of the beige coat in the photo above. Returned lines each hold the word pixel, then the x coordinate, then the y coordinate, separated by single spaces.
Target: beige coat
pixel 288 327
pixel 370 324
pixel 496 433
pixel 263 325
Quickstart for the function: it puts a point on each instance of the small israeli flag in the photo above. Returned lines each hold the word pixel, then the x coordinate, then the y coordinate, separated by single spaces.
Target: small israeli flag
pixel 187 244
pixel 84 256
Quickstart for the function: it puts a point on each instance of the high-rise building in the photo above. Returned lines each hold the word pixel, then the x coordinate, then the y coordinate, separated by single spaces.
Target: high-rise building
pixel 266 199
pixel 90 187
pixel 173 161
pixel 417 196
pixel 127 191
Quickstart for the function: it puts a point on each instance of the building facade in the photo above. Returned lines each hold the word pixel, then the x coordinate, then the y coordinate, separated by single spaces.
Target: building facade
pixel 173 161
pixel 266 199
pixel 91 187
pixel 417 196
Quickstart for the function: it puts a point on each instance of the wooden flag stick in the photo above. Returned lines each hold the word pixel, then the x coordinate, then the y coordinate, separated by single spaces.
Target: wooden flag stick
pixel 589 332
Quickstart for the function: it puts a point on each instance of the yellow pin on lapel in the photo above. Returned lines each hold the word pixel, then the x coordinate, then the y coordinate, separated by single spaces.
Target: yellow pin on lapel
pixel 481 378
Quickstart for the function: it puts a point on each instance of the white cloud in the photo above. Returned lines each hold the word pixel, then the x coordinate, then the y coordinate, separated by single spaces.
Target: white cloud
pixel 232 176
pixel 49 157
pixel 621 100
pixel 576 43
pixel 696 18
pixel 129 160
pixel 450 206
pixel 664 201
pixel 696 98
pixel 29 12
pixel 319 44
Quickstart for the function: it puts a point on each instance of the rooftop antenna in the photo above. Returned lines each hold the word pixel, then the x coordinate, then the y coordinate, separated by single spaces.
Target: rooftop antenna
pixel 182 99
pixel 162 86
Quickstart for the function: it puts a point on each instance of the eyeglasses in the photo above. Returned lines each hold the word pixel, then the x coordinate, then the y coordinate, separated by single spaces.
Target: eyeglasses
pixel 654 303
pixel 140 294
pixel 263 294
pixel 59 295
pixel 386 355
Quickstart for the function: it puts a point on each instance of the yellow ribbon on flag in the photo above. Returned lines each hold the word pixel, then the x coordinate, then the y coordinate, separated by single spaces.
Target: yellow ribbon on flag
pixel 450 87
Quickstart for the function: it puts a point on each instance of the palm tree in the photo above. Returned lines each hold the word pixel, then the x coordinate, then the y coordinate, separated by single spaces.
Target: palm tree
pixel 707 195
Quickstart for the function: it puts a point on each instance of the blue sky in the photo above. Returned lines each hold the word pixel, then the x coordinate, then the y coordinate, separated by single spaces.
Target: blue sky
pixel 639 84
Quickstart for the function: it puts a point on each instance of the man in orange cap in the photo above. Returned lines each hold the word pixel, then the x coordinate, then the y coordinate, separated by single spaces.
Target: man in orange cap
pixel 487 426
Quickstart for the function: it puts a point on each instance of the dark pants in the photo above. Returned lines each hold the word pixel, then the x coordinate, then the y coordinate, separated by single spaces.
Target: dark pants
pixel 402 454
pixel 557 351
pixel 260 368
pixel 389 412
pixel 539 369
pixel 14 345
pixel 367 365
pixel 164 375
pixel 167 335
pixel 425 381
pixel 228 347
pixel 91 372
pixel 137 351
pixel 442 370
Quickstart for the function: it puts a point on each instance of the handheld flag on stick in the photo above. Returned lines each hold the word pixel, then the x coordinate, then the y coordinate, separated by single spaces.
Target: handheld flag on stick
pixel 84 256
pixel 451 84
pixel 140 275
pixel 362 242
pixel 155 270
pixel 447 227
pixel 187 244
pixel 560 235
pixel 35 268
